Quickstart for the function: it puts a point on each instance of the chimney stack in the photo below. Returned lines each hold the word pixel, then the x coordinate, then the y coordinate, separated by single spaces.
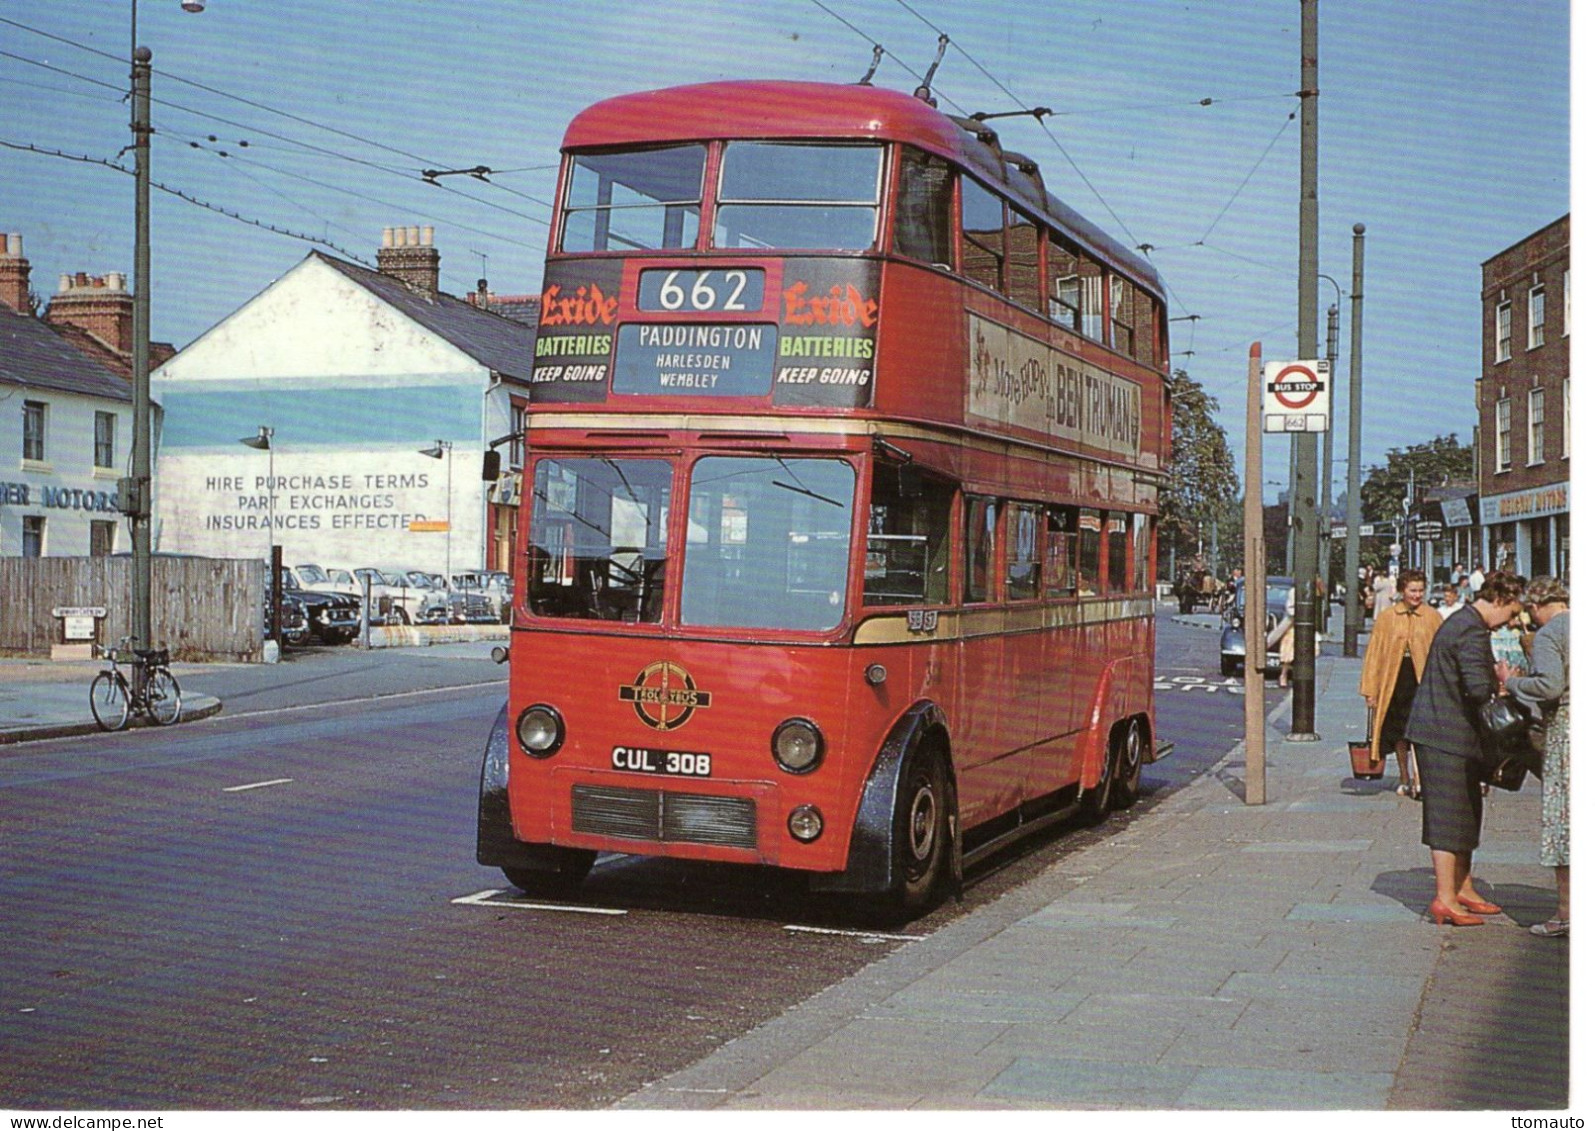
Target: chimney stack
pixel 407 255
pixel 101 305
pixel 14 269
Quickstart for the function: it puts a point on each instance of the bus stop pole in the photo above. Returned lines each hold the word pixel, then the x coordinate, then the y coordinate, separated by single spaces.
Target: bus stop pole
pixel 1255 570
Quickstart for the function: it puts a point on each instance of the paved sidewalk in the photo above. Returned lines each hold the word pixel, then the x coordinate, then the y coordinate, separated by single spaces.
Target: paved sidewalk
pixel 42 699
pixel 1213 956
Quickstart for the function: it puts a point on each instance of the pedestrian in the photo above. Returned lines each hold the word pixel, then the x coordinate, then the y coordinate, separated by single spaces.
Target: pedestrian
pixel 1459 678
pixel 1476 580
pixel 1391 670
pixel 1547 688
pixel 1384 592
pixel 1282 638
pixel 1450 601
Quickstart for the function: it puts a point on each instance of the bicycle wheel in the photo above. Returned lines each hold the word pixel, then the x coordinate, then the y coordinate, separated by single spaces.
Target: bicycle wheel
pixel 108 701
pixel 163 699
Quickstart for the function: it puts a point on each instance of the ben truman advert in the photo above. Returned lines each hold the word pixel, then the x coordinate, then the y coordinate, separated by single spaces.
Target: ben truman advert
pixel 1018 380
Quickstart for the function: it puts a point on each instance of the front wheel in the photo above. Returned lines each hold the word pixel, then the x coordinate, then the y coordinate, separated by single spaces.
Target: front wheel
pixel 163 697
pixel 923 836
pixel 570 868
pixel 108 701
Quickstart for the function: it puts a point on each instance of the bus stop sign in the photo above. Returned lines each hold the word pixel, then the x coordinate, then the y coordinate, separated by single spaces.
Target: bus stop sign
pixel 1296 396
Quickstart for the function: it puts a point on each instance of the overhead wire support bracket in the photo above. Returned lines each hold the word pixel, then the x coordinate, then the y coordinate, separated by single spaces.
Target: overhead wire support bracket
pixel 1037 113
pixel 480 172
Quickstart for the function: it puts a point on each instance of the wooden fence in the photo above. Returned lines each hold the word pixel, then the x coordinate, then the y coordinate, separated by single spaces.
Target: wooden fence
pixel 200 608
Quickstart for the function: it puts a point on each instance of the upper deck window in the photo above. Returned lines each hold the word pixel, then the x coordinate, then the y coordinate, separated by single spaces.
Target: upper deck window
pixel 642 201
pixel 984 251
pixel 778 195
pixel 925 209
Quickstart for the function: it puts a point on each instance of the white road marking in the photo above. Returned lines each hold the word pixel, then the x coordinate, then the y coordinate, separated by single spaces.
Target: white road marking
pixel 488 899
pixel 854 934
pixel 255 785
pixel 355 702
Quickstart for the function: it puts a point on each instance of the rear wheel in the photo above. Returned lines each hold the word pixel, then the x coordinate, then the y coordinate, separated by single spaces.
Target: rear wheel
pixel 163 697
pixel 108 701
pixel 1132 753
pixel 1097 800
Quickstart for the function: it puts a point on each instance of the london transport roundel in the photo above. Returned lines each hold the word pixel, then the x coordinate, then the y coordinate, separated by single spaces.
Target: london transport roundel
pixel 664 695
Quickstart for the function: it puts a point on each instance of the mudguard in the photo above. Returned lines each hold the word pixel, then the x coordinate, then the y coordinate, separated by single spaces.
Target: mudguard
pixel 871 855
pixel 495 836
pixel 496 845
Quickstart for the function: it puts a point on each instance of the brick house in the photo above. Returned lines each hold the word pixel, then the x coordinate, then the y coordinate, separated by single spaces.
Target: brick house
pixel 1523 399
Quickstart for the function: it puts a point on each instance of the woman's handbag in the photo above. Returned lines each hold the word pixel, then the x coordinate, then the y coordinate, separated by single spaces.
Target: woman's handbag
pixel 1504 724
pixel 1367 764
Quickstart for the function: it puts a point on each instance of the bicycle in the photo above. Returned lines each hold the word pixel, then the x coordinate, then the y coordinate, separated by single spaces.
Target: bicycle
pixel 113 699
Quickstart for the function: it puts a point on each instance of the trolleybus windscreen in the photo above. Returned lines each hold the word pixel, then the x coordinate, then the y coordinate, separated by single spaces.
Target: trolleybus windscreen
pixel 798 196
pixel 767 543
pixel 646 200
pixel 597 541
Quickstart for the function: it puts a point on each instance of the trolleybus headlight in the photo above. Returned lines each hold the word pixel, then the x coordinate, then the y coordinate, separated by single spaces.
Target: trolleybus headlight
pixel 798 746
pixel 540 730
pixel 805 823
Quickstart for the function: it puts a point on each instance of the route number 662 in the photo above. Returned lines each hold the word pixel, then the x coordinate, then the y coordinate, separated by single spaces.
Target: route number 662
pixel 736 290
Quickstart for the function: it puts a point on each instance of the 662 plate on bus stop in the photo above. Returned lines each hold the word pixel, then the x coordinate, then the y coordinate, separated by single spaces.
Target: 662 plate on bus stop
pixel 644 760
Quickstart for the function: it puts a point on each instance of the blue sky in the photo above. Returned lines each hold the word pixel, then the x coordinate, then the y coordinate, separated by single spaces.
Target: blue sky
pixel 1444 127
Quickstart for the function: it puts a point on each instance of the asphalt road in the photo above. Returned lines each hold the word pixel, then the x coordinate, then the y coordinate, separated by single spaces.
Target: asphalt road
pixel 262 910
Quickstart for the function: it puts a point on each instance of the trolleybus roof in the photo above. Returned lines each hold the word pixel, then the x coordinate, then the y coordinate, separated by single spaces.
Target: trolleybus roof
pixel 760 109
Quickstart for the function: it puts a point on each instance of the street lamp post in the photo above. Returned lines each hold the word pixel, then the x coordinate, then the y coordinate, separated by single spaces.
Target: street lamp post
pixel 262 442
pixel 444 450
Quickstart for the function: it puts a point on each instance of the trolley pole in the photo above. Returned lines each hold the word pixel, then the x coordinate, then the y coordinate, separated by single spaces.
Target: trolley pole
pixel 1353 609
pixel 1254 568
pixel 1304 518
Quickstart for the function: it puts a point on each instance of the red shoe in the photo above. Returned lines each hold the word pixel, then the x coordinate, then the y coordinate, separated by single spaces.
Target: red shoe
pixel 1443 915
pixel 1478 906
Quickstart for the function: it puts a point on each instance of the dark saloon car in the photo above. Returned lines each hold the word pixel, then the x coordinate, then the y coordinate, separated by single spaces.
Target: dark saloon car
pixel 1232 640
pixel 334 617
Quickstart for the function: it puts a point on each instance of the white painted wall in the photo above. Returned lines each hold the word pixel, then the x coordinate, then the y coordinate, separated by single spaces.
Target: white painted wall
pixel 65 488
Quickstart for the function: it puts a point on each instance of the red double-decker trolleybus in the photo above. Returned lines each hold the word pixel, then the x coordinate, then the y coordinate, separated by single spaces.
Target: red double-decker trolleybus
pixel 841 491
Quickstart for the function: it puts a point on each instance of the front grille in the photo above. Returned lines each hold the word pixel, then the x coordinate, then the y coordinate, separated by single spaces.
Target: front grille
pixel 651 814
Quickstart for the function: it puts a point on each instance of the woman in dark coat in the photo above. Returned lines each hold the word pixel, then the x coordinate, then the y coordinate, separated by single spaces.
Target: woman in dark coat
pixel 1458 679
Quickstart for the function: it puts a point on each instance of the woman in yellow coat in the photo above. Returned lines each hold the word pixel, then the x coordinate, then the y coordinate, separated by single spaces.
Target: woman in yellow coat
pixel 1391 669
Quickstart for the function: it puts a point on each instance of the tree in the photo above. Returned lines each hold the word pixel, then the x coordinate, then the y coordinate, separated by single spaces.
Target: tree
pixel 1202 485
pixel 1440 462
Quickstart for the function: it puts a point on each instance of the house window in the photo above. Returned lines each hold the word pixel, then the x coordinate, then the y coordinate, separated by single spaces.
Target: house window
pixel 102 539
pixel 1537 317
pixel 1567 301
pixel 104 439
pixel 1503 434
pixel 1503 332
pixel 32 536
pixel 33 415
pixel 1536 426
pixel 1567 413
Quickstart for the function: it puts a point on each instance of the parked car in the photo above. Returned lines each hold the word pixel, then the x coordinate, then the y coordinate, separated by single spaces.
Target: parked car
pixel 334 617
pixel 295 623
pixel 403 601
pixel 494 584
pixel 1232 640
